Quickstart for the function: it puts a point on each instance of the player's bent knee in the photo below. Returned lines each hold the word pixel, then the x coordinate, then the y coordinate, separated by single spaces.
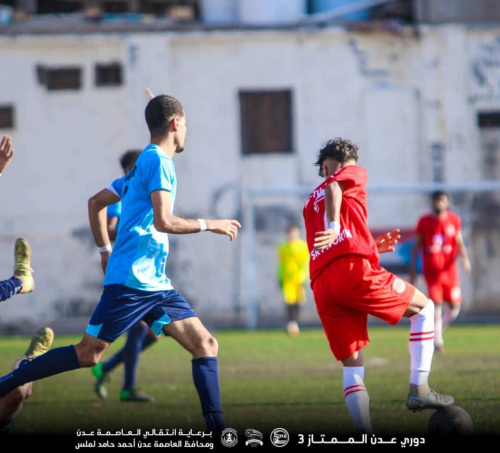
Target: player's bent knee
pixel 211 346
pixel 208 347
pixel 428 311
pixel 418 302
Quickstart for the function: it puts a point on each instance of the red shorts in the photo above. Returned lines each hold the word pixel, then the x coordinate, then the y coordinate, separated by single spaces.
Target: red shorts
pixel 347 291
pixel 444 286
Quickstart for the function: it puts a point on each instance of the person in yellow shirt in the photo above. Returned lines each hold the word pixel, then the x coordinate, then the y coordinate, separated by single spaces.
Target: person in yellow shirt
pixel 293 272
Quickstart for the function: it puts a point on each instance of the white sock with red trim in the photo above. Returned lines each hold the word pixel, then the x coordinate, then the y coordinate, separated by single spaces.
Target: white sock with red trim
pixel 357 399
pixel 421 346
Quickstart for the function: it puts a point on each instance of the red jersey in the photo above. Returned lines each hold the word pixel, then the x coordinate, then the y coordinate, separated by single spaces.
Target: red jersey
pixel 355 237
pixel 439 240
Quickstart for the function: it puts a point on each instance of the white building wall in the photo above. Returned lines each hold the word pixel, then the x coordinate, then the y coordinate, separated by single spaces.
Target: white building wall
pixel 398 97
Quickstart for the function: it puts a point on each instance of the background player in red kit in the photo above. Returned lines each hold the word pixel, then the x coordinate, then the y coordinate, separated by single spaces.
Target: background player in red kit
pixel 349 284
pixel 439 234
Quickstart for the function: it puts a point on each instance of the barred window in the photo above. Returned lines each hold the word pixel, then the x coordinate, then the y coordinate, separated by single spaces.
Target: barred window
pixel 6 117
pixel 69 78
pixel 107 75
pixel 266 121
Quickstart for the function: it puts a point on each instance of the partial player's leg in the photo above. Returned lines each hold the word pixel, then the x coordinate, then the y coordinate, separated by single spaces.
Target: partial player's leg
pixel 10 287
pixel 452 294
pixel 347 334
pixel 85 354
pixel 421 345
pixel 11 404
pixel 292 326
pixel 290 298
pixel 22 281
pixel 388 297
pixel 300 293
pixel 346 331
pixel 450 315
pixel 133 347
pixel 22 265
pixel 196 339
pixel 438 326
pixel 355 393
pixel 436 294
pixel 139 338
pixel 118 310
pixel 445 315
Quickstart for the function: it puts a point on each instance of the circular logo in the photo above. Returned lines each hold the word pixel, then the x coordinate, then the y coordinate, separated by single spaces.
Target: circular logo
pixel 398 286
pixel 254 438
pixel 450 230
pixel 456 294
pixel 229 437
pixel 280 437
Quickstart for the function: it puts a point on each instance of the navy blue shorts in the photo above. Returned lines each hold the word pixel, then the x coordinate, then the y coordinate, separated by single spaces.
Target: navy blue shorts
pixel 121 308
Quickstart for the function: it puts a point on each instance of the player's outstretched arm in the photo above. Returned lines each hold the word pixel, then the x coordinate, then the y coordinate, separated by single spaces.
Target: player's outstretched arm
pixel 414 255
pixel 462 251
pixel 98 222
pixel 166 222
pixel 333 201
pixel 387 241
pixel 6 152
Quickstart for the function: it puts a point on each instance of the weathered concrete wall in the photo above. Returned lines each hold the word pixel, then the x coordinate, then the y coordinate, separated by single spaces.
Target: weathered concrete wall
pixel 409 102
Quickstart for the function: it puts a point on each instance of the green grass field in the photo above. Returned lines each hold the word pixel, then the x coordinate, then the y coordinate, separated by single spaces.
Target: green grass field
pixel 270 380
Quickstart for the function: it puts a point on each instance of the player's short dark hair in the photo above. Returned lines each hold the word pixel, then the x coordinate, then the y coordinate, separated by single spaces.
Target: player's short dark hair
pixel 339 149
pixel 160 111
pixel 438 194
pixel 129 158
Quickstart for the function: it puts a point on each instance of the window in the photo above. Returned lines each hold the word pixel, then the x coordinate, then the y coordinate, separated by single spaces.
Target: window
pixel 266 121
pixel 6 117
pixel 59 6
pixel 488 120
pixel 69 78
pixel 489 127
pixel 116 6
pixel 107 75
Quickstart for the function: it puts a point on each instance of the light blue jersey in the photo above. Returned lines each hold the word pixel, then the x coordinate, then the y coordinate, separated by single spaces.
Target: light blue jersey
pixel 140 252
pixel 115 209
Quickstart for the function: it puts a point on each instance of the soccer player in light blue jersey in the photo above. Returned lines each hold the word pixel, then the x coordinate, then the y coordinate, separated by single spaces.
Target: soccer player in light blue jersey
pixel 139 337
pixel 135 286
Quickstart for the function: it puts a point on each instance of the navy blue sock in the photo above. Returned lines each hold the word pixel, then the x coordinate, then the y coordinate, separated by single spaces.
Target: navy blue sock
pixel 206 381
pixel 148 341
pixel 114 361
pixel 119 357
pixel 132 351
pixel 10 287
pixel 53 362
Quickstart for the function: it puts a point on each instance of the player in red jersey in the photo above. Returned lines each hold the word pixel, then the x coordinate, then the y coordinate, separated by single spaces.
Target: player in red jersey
pixel 348 283
pixel 439 234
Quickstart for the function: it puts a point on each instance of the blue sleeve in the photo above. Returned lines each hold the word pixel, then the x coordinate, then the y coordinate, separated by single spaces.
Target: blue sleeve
pixel 118 186
pixel 115 209
pixel 162 174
